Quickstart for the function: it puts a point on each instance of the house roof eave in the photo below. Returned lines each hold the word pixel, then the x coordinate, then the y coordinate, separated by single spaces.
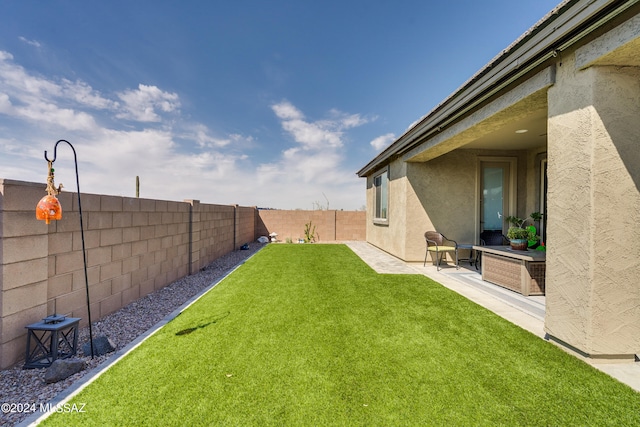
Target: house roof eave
pixel 572 20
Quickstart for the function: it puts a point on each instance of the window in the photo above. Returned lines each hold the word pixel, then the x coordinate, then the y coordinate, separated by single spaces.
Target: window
pixel 381 198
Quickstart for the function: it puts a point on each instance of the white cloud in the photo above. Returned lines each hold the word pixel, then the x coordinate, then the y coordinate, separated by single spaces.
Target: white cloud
pixel 383 141
pixel 33 43
pixel 174 157
pixel 315 164
pixel 46 112
pixel 111 160
pixel 287 111
pixel 5 103
pixel 34 98
pixel 201 134
pixel 33 108
pixel 142 104
pixel 313 135
pixel 310 136
pixel 347 121
pixel 84 95
pixel 15 81
pixel 412 124
pixel 321 134
pixel 322 167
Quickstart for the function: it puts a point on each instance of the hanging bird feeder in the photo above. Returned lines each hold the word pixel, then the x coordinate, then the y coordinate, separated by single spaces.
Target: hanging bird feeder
pixel 48 207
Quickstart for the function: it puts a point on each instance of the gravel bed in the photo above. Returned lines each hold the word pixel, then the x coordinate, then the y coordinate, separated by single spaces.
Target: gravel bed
pixel 27 386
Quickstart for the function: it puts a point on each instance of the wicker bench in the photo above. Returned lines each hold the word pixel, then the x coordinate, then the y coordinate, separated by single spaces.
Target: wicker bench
pixel 519 271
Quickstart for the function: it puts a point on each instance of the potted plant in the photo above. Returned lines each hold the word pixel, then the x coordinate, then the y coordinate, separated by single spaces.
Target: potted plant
pixel 520 236
pixel 534 243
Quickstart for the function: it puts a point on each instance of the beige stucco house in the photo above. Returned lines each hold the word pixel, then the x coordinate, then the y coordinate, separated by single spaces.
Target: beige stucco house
pixel 552 124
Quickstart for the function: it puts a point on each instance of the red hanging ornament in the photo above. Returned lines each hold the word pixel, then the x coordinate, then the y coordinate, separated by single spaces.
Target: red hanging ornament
pixel 48 207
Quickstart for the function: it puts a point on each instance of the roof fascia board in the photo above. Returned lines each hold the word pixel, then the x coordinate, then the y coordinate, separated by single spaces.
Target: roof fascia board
pixel 591 53
pixel 539 44
pixel 541 81
pixel 530 48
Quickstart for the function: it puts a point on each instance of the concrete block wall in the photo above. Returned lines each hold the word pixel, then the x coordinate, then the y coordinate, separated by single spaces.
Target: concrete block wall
pixel 133 247
pixel 350 225
pixel 330 225
pixel 24 269
pixel 246 222
pixel 213 233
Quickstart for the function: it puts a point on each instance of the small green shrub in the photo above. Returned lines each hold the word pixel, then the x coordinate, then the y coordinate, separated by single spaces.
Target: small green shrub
pixel 520 233
pixel 309 232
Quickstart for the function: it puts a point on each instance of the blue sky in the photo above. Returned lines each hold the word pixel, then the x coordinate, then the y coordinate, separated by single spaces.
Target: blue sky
pixel 260 103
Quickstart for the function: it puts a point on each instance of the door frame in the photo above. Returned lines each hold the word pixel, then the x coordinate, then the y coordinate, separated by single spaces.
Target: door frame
pixel 512 190
pixel 543 198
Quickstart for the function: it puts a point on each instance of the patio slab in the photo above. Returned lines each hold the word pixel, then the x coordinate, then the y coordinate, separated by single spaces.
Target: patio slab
pixel 379 260
pixel 526 312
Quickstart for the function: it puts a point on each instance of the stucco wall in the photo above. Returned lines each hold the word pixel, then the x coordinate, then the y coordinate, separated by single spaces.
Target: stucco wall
pixel 593 300
pixel 390 236
pixel 444 189
pixel 443 194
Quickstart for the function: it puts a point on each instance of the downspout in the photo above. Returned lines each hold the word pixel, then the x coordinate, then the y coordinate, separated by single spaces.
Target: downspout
pixel 190 238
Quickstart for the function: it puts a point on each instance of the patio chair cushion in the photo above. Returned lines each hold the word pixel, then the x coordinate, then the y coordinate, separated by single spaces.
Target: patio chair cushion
pixel 441 248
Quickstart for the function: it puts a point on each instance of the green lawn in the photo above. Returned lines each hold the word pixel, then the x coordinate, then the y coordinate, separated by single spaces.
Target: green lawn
pixel 305 335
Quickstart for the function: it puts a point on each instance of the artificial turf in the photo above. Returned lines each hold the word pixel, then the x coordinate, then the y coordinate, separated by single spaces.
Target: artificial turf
pixel 310 335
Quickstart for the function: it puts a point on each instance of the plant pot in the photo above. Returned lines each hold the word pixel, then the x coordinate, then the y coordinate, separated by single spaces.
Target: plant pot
pixel 519 244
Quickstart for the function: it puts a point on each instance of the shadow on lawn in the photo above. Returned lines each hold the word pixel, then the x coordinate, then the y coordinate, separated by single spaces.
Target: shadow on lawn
pixel 203 325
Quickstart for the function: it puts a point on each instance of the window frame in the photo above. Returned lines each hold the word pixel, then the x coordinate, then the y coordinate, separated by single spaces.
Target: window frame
pixel 380 184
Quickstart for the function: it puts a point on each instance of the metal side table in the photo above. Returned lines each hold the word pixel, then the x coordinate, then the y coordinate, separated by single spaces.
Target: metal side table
pixel 54 337
pixel 468 247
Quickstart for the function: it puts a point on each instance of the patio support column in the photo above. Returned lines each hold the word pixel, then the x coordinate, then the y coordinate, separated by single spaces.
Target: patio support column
pixel 593 258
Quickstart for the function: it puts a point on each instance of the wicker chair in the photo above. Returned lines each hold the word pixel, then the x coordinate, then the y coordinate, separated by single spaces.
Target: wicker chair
pixel 490 238
pixel 438 244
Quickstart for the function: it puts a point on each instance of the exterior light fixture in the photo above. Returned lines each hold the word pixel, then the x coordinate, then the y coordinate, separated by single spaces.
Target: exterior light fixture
pixel 49 208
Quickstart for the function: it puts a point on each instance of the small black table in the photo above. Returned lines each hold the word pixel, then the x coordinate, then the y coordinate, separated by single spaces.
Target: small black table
pixel 51 341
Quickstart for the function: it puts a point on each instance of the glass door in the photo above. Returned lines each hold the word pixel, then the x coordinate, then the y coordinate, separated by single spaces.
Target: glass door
pixel 494 197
